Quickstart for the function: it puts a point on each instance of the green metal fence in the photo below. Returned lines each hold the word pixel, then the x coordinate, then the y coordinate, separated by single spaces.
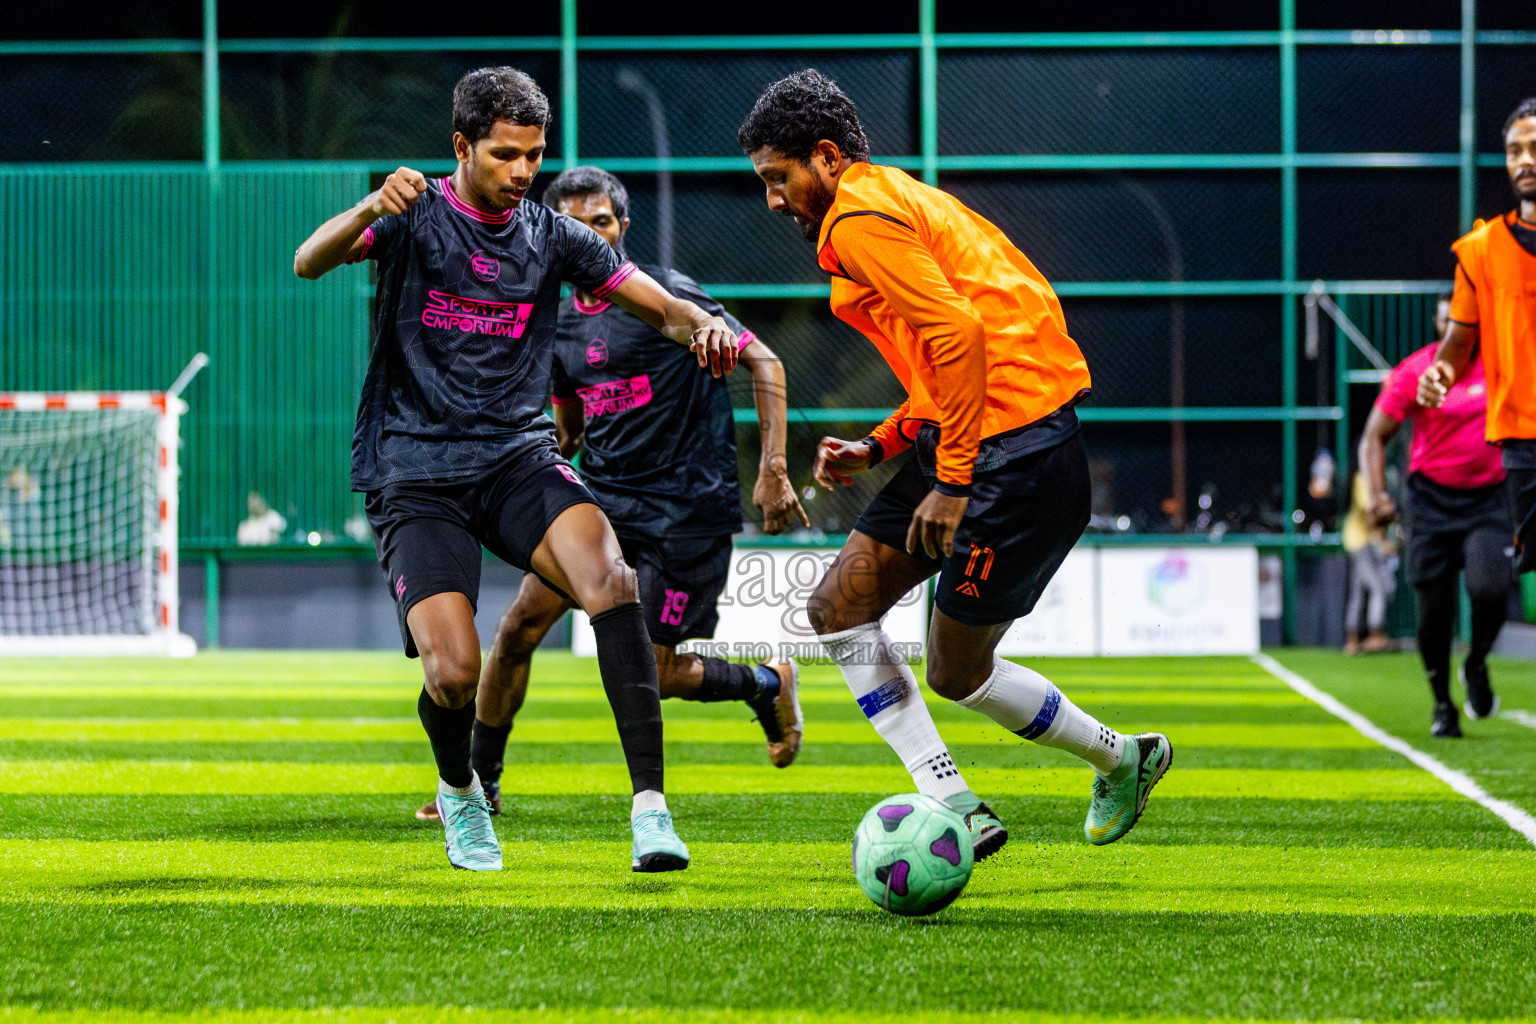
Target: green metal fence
pixel 1182 190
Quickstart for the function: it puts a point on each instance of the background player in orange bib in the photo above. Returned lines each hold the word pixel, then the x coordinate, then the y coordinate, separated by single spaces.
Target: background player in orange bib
pixel 1493 310
pixel 996 492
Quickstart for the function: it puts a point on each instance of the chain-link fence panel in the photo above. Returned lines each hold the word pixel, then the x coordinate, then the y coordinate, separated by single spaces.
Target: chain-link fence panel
pixel 720 228
pixel 691 103
pixel 1379 223
pixel 828 364
pixel 1504 78
pixel 1231 349
pixel 102 108
pixel 357 106
pixel 1143 226
pixel 1394 99
pixel 1378 99
pixel 1126 101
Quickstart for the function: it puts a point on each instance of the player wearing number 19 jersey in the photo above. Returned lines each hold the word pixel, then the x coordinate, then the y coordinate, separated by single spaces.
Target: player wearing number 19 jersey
pixel 658 448
pixel 997 492
pixel 452 448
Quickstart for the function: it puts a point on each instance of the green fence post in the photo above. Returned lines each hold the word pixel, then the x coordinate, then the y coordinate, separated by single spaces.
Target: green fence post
pixel 211 85
pixel 1468 177
pixel 568 83
pixel 211 598
pixel 928 90
pixel 1288 310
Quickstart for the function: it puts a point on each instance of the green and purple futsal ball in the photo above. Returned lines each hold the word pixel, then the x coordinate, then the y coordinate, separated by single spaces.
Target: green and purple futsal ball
pixel 912 854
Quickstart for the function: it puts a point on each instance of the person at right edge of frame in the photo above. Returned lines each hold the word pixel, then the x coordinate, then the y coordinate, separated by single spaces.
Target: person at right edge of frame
pixel 998 490
pixel 1493 314
pixel 1457 516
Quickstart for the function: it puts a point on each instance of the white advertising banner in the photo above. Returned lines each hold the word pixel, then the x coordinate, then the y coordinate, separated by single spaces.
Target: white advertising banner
pixel 762 610
pixel 1179 600
pixel 1064 621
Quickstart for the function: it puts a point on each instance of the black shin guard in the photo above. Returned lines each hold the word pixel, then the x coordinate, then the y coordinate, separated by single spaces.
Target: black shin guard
pixel 448 730
pixel 628 667
pixel 726 680
pixel 487 750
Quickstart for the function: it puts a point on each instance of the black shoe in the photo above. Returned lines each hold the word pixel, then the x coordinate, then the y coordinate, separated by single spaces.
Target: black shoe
pixel 987 832
pixel 1481 700
pixel 1445 726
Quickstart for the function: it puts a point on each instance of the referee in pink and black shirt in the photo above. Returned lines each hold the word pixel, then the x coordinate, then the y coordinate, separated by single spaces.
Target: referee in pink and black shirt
pixel 1457 513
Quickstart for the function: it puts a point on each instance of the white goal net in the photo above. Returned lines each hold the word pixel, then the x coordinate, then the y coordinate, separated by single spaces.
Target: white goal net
pixel 88 488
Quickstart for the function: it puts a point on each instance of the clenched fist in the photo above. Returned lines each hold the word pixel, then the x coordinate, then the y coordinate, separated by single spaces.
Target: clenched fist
pixel 399 192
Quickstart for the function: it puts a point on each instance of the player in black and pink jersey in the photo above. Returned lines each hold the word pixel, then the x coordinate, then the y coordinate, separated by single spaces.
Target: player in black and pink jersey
pixel 658 449
pixel 453 448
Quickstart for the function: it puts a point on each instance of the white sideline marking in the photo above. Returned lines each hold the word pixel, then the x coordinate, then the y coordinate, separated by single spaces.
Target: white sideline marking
pixel 1461 782
pixel 1519 717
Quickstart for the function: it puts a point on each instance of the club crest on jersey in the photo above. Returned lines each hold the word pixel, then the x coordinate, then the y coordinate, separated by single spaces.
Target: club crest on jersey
pixel 486 267
pixel 476 316
pixel 597 354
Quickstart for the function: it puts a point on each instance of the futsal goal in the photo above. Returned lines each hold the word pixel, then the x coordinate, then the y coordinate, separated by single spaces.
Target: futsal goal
pixel 88 506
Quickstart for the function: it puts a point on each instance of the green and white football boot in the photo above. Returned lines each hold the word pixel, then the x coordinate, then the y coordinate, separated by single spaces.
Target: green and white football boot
pixel 656 846
pixel 467 833
pixel 988 834
pixel 1121 796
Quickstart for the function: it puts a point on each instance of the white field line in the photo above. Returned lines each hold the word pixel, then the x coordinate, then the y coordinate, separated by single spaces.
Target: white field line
pixel 1461 782
pixel 1519 717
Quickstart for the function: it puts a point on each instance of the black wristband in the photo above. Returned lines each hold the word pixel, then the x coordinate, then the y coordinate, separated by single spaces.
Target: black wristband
pixel 876 453
pixel 953 490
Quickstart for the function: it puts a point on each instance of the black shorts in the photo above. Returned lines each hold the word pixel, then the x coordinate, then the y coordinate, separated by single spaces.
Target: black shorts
pixel 680 583
pixel 428 536
pixel 1452 529
pixel 1023 518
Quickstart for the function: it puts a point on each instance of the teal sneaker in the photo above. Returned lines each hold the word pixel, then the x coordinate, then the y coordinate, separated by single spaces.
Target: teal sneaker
pixel 987 832
pixel 467 832
pixel 656 847
pixel 1120 796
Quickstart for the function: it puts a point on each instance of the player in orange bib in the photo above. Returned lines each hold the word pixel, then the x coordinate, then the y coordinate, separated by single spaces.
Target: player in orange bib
pixel 992 489
pixel 1493 312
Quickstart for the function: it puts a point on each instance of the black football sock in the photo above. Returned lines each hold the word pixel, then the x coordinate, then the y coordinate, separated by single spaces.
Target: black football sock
pixel 726 680
pixel 628 667
pixel 448 730
pixel 1437 621
pixel 487 750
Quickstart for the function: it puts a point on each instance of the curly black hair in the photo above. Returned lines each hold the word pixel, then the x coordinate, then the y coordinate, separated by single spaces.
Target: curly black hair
pixel 1527 108
pixel 795 113
pixel 487 95
pixel 588 181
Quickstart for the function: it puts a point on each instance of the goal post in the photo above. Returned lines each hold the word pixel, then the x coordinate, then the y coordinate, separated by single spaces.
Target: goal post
pixel 88 524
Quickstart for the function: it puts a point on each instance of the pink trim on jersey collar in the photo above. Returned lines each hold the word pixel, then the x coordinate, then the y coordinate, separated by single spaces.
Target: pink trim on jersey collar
pixel 592 310
pixel 446 188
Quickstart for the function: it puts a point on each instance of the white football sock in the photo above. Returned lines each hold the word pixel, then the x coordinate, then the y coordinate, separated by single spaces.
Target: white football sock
pixel 469 790
pixel 1023 701
pixel 647 800
pixel 886 690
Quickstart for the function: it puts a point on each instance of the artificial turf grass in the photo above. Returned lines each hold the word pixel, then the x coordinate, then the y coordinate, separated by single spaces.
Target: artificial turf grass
pixel 714 817
pixel 1499 753
pixel 1269 956
pixel 169 955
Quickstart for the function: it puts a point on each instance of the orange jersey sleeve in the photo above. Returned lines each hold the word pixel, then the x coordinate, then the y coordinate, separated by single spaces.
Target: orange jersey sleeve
pixel 888 256
pixel 1464 298
pixel 888 434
